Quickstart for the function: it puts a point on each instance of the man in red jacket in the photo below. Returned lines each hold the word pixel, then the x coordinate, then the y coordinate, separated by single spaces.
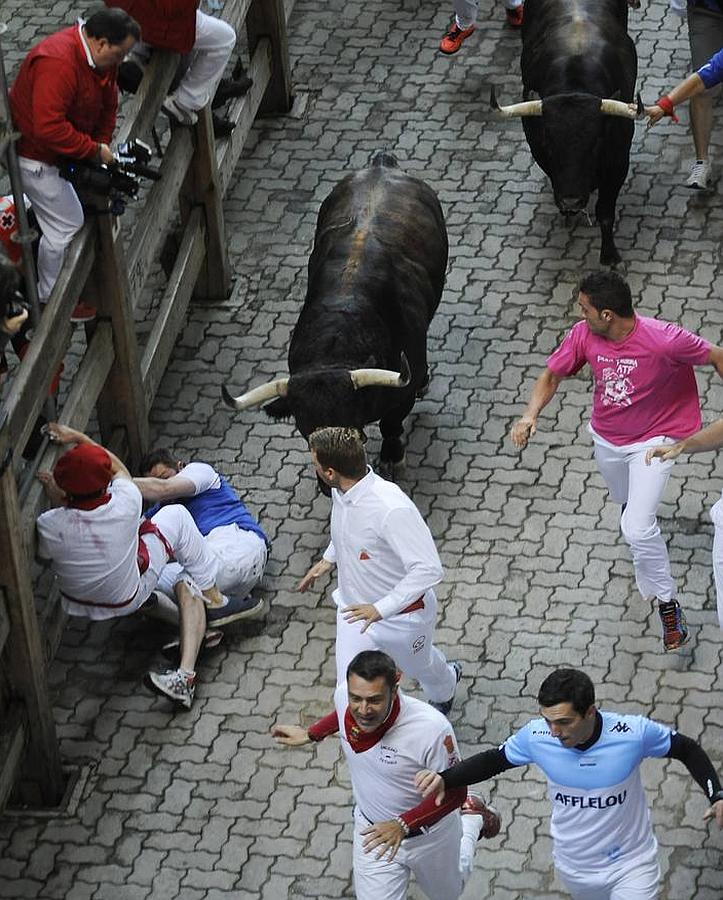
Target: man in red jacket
pixel 64 103
pixel 177 25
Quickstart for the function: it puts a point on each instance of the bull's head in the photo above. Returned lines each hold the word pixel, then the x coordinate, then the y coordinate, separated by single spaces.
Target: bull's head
pixel 322 396
pixel 572 133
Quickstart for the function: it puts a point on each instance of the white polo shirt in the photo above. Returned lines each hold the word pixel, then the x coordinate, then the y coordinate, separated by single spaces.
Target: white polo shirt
pixel 384 551
pixel 382 777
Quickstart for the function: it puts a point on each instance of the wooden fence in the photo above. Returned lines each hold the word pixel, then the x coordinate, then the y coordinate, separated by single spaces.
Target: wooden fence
pixel 116 380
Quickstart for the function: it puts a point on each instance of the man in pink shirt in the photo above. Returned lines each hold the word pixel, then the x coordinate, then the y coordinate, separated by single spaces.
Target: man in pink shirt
pixel 644 395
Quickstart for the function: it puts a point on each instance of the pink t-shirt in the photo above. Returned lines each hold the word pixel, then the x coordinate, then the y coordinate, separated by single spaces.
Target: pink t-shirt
pixel 644 386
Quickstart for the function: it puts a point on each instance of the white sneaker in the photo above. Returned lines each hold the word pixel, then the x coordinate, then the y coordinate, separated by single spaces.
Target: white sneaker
pixel 173 109
pixel 699 175
pixel 174 684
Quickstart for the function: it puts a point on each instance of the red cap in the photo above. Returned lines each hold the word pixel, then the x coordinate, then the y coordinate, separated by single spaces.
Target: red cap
pixel 86 469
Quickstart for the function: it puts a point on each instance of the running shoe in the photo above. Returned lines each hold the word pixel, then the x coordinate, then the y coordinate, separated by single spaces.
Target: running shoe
pixel 515 16
pixel 83 313
pixel 475 805
pixel 699 175
pixel 675 629
pixel 452 40
pixel 176 685
pixel 446 705
pixel 237 608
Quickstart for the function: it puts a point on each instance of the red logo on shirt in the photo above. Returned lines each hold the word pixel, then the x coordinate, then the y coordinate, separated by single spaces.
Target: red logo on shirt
pixel 364 555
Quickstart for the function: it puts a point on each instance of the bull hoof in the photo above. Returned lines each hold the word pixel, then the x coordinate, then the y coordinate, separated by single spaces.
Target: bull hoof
pixel 392 471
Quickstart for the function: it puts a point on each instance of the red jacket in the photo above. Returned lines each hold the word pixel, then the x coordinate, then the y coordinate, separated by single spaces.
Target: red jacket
pixel 165 24
pixel 62 106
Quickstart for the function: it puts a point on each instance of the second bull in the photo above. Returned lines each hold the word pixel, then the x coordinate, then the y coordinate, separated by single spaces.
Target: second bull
pixel 358 352
pixel 578 67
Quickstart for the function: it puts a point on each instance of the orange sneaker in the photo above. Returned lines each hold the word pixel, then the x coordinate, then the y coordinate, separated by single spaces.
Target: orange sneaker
pixel 515 15
pixel 83 312
pixel 452 40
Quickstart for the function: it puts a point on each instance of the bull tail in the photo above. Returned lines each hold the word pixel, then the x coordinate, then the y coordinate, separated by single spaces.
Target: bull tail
pixel 385 158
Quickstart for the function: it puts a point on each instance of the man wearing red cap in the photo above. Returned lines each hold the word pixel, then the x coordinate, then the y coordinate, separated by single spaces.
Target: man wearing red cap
pixel 106 567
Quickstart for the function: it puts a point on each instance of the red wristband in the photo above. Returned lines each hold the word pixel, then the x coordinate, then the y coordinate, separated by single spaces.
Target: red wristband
pixel 666 104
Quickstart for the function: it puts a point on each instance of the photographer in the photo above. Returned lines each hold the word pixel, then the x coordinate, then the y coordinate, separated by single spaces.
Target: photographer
pixel 64 102
pixel 13 312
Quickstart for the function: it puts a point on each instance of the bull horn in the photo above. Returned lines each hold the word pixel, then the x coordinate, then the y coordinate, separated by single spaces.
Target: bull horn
pixel 526 108
pixel 382 377
pixel 256 396
pixel 617 108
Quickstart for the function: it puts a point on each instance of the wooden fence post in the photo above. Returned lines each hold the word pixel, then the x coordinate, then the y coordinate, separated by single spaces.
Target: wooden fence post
pixel 121 402
pixel 41 780
pixel 202 187
pixel 267 18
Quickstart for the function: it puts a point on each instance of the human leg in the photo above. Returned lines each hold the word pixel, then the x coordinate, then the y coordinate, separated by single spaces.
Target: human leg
pixel 434 858
pixel 193 625
pixel 189 547
pixel 465 16
pixel 408 639
pixel 613 466
pixel 640 528
pixel 241 558
pixel 214 43
pixel 376 879
pixel 350 640
pixel 59 214
pixel 716 515
pixel 705 35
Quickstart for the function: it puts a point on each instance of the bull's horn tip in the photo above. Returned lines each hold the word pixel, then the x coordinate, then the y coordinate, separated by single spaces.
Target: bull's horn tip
pixel 227 397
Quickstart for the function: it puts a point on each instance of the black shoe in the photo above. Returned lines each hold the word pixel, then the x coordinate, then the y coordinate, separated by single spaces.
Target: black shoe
pixel 229 88
pixel 222 128
pixel 446 705
pixel 236 609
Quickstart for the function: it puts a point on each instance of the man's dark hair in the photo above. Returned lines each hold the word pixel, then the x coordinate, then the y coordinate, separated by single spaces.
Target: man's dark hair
pixel 153 457
pixel 111 23
pixel 371 664
pixel 341 449
pixel 607 290
pixel 567 686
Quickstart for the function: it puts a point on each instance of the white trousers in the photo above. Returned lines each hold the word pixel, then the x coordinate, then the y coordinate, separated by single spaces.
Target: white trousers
pixel 215 40
pixel 197 565
pixel 240 556
pixel 716 515
pixel 59 215
pixel 407 638
pixel 466 11
pixel 640 487
pixel 637 882
pixel 441 861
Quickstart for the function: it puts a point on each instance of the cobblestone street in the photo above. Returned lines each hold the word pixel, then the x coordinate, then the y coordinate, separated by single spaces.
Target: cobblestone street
pixel 201 805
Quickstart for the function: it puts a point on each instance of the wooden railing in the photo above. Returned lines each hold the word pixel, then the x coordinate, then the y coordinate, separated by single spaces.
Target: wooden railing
pixel 116 380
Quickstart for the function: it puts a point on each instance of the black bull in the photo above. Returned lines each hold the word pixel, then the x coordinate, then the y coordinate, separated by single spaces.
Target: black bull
pixel 574 54
pixel 375 279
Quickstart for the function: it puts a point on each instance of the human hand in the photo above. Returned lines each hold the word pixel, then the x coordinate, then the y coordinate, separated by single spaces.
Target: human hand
pixel 62 434
pixel 384 836
pixel 428 783
pixel 105 155
pixel 290 735
pixel 13 324
pixel 522 431
pixel 715 812
pixel 654 114
pixel 316 571
pixel 362 612
pixel 665 453
pixel 55 494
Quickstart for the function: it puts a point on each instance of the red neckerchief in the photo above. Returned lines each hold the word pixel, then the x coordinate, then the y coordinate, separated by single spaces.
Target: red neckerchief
pixel 90 503
pixel 359 740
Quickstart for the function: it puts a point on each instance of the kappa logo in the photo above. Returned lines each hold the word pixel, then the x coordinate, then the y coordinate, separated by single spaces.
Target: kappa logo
pixel 364 554
pixel 621 728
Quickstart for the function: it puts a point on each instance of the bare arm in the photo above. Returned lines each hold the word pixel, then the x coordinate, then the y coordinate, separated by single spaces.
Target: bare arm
pixel 692 85
pixel 710 438
pixel 542 393
pixel 316 571
pixel 160 490
pixel 716 359
pixel 62 434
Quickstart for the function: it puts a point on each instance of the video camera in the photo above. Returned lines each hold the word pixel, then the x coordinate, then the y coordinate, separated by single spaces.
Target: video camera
pixel 117 181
